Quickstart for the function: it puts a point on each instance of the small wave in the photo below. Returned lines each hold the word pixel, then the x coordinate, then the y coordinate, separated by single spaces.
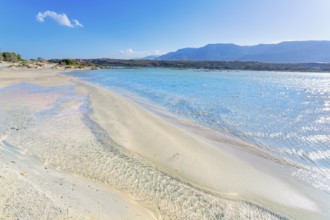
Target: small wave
pixel 320 138
pixel 313 156
pixel 318 177
pixel 319 155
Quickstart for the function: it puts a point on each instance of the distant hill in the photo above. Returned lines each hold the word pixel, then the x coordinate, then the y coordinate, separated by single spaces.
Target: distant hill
pixel 285 52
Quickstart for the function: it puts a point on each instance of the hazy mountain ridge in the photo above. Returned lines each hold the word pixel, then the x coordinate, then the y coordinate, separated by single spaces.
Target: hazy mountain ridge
pixel 284 52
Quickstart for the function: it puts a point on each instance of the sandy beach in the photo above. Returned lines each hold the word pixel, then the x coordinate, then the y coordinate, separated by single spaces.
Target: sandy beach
pixel 73 150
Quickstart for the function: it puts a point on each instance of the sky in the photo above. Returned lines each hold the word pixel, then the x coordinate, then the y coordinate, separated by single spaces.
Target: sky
pixel 138 28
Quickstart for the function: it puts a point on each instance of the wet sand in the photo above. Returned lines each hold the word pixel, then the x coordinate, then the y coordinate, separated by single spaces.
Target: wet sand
pixel 110 158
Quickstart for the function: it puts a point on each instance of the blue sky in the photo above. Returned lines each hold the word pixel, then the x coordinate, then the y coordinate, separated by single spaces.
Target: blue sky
pixel 138 28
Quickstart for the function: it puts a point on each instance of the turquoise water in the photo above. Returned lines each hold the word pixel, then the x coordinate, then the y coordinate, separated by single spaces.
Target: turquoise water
pixel 284 113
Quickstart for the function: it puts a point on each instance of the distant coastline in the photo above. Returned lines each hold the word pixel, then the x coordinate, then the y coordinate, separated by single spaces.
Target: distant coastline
pixel 107 63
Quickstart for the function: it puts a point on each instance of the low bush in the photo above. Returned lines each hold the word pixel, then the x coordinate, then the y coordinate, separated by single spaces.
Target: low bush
pixel 68 62
pixel 10 57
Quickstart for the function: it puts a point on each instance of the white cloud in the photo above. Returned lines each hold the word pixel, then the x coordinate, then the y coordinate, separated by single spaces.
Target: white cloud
pixel 127 52
pixel 61 19
pixel 77 23
pixel 131 53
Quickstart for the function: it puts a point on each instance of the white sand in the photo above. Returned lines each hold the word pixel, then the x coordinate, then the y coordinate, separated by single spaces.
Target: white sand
pixel 144 152
pixel 32 189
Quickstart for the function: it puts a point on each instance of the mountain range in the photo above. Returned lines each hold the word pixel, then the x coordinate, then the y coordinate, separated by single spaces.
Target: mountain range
pixel 284 52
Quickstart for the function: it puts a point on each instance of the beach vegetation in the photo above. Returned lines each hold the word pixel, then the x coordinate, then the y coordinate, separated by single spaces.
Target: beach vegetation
pixel 72 63
pixel 10 57
pixel 68 62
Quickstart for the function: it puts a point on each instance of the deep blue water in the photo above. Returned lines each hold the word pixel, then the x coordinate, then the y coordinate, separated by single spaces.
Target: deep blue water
pixel 287 114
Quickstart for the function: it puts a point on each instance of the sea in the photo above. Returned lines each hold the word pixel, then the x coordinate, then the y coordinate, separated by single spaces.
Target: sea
pixel 285 114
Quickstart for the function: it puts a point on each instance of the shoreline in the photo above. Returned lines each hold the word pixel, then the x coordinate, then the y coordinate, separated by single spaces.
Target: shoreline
pixel 228 152
pixel 214 136
pixel 168 150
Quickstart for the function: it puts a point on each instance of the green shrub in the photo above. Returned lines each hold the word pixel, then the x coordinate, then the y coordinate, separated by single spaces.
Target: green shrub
pixel 68 62
pixel 10 57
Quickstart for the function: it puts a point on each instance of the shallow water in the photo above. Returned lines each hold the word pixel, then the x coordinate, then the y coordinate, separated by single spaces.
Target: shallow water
pixel 53 124
pixel 286 114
